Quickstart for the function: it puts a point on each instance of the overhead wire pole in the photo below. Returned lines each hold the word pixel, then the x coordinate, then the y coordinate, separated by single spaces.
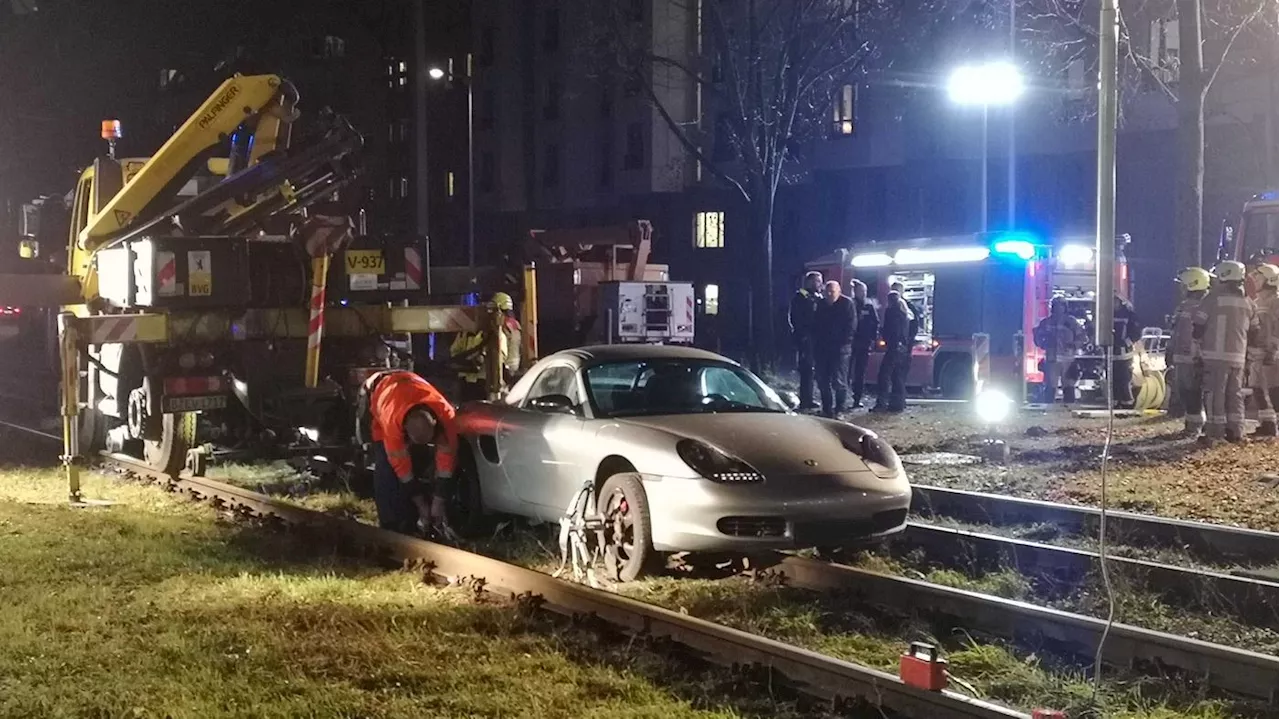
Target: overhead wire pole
pixel 1013 122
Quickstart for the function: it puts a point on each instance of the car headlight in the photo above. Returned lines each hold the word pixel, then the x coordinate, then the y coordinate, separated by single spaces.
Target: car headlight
pixel 714 464
pixel 877 453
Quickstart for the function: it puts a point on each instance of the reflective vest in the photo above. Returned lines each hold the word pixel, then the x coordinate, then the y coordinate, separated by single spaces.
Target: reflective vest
pixel 472 369
pixel 392 395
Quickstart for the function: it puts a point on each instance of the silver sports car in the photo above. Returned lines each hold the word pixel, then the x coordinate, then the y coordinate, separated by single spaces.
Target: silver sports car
pixel 690 453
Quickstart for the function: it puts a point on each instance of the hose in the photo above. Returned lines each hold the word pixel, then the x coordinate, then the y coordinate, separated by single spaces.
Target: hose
pixel 1102 524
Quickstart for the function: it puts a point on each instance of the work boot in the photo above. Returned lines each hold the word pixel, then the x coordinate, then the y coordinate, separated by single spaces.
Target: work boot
pixel 1265 430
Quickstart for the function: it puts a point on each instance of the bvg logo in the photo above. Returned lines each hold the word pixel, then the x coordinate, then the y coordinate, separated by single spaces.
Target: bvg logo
pixel 221 104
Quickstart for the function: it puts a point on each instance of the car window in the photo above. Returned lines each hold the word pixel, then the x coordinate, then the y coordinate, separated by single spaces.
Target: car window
pixel 676 387
pixel 556 380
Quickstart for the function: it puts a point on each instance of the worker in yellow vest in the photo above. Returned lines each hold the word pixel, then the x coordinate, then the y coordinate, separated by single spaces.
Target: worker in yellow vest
pixel 467 352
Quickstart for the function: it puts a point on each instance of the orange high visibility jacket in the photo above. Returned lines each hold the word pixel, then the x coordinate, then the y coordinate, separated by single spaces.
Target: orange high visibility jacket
pixel 392 398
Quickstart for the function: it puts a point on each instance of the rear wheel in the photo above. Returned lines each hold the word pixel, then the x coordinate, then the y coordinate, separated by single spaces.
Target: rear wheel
pixel 628 535
pixel 956 381
pixel 168 453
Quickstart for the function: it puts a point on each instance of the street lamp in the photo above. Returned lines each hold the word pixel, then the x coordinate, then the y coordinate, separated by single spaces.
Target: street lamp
pixel 992 83
pixel 446 73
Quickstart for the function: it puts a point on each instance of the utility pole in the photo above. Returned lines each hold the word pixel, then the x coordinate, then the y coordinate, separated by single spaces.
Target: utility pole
pixel 1108 39
pixel 421 180
pixel 1013 122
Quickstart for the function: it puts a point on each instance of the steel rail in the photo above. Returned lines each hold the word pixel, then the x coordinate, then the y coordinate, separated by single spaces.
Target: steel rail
pixel 1236 670
pixel 1253 601
pixel 814 674
pixel 1215 543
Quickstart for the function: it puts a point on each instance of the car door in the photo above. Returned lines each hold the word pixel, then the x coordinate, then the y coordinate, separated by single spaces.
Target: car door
pixel 542 449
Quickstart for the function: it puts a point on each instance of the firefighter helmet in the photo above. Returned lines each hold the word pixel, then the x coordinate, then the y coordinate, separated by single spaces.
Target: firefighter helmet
pixel 1194 279
pixel 1229 271
pixel 503 301
pixel 1268 275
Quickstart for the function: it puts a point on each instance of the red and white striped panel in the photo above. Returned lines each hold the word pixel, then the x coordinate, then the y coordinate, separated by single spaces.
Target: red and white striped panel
pixel 316 329
pixel 110 330
pixel 412 269
pixel 166 274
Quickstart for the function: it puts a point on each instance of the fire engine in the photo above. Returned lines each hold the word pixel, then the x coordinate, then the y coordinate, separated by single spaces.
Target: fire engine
pixel 1256 235
pixel 993 284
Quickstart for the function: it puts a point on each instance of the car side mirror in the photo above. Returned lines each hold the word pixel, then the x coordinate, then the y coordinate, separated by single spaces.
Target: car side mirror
pixel 791 399
pixel 553 404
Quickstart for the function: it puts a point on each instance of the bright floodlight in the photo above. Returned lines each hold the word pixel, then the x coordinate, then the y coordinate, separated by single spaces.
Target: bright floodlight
pixel 435 73
pixel 992 406
pixel 1075 255
pixel 993 83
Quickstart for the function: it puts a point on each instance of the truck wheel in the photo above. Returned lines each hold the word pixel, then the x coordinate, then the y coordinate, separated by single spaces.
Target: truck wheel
pixel 628 534
pixel 177 435
pixel 957 379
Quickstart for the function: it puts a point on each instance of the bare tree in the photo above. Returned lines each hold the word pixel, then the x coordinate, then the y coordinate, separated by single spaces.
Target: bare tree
pixel 767 72
pixel 1207 38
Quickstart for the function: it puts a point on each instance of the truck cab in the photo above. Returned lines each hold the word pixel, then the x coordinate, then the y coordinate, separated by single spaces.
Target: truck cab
pixel 1255 236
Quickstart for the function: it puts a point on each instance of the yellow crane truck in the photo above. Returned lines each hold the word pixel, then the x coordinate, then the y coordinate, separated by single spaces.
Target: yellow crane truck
pixel 199 289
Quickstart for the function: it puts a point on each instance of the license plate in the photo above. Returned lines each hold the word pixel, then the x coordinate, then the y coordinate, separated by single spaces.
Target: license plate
pixel 194 404
pixel 364 262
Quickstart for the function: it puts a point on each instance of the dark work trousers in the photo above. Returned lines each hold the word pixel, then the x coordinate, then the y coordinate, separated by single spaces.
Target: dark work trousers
pixel 1189 379
pixel 858 371
pixel 1122 380
pixel 891 393
pixel 832 368
pixel 396 510
pixel 804 365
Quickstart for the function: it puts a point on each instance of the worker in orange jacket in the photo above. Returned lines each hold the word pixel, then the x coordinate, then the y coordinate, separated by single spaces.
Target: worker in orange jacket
pixel 404 418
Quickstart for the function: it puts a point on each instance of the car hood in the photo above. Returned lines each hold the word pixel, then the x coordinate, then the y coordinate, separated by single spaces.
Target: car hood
pixel 774 443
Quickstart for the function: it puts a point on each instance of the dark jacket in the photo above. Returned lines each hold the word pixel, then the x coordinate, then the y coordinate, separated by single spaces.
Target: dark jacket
pixel 835 324
pixel 800 315
pixel 868 324
pixel 913 326
pixel 1127 328
pixel 896 328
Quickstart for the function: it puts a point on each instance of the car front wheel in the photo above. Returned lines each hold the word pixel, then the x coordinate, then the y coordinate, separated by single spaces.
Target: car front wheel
pixel 628 534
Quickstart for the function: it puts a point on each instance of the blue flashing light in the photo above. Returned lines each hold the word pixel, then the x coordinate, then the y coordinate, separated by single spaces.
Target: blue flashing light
pixel 1023 249
pixel 1272 195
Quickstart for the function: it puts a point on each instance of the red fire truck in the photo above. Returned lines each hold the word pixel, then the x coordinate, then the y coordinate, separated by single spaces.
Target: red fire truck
pixel 1256 235
pixel 997 284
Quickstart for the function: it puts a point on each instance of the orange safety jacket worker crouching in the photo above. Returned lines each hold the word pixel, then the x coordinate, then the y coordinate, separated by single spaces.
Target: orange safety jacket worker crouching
pixel 392 396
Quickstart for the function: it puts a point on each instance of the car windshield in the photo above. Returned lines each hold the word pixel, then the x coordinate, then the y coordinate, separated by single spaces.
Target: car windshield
pixel 676 386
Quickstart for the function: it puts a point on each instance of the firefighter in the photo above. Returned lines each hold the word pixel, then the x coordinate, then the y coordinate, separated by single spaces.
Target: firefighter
pixel 833 328
pixel 1262 352
pixel 864 337
pixel 1182 354
pixel 1061 336
pixel 1126 331
pixel 891 394
pixel 913 331
pixel 1224 321
pixel 405 421
pixel 800 317
pixel 467 352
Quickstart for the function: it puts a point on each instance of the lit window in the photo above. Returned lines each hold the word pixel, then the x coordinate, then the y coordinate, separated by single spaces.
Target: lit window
pixel 708 230
pixel 402 81
pixel 711 299
pixel 842 111
pixel 402 66
pixel 404 186
pixel 448 183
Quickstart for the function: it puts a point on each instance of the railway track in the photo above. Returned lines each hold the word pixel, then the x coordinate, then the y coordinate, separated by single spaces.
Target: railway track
pixel 1249 600
pixel 1230 669
pixel 812 673
pixel 1238 671
pixel 1211 543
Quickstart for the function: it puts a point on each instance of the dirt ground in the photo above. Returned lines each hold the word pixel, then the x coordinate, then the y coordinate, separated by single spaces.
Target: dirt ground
pixel 1057 457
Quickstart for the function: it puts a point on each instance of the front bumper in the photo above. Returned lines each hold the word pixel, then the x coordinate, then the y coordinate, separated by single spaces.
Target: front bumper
pixel 697 515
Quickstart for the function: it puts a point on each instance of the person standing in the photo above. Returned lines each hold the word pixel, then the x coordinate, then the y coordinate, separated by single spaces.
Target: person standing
pixel 467 352
pixel 1126 330
pixel 1182 353
pixel 1060 336
pixel 800 317
pixel 891 394
pixel 1224 321
pixel 1262 353
pixel 833 330
pixel 864 337
pixel 913 331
